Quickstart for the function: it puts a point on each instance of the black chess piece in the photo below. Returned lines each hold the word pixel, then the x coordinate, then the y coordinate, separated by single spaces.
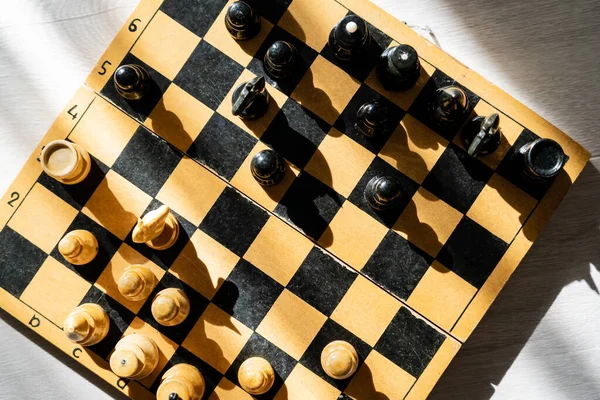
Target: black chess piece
pixel 482 135
pixel 280 60
pixel 267 167
pixel 543 159
pixel 349 38
pixel 174 396
pixel 383 193
pixel 242 21
pixel 451 106
pixel 371 118
pixel 251 99
pixel 399 68
pixel 132 81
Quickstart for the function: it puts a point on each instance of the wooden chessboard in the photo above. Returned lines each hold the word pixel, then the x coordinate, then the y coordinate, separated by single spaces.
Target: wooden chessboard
pixel 282 271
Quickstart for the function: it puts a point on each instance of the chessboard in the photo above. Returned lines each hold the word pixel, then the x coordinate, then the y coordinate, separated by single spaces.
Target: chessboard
pixel 278 272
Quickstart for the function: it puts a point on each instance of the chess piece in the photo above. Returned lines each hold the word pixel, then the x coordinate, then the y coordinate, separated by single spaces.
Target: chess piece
pixel 280 60
pixel 136 282
pixel 132 81
pixel 349 38
pixel 135 357
pixel 159 229
pixel 170 307
pixel 181 382
pixel 339 360
pixel 241 21
pixel 398 68
pixel 383 193
pixel 87 325
pixel 78 247
pixel 451 106
pixel 371 118
pixel 251 99
pixel 267 167
pixel 65 161
pixel 482 135
pixel 256 376
pixel 543 159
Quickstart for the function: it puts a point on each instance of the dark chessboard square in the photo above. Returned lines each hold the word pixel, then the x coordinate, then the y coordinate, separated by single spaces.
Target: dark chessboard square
pixel 271 10
pixel 222 146
pixel 457 178
pixel 397 265
pixel 310 205
pixel 234 221
pixel 472 252
pixel 330 332
pixel 195 15
pixel 138 109
pixel 77 195
pixel 120 319
pixel 20 260
pixel 305 58
pixel 208 75
pixel 147 161
pixel 178 332
pixel 258 346
pixel 379 167
pixel 247 294
pixel 321 281
pixel 421 107
pixel 295 133
pixel 409 342
pixel 346 122
pixel 108 244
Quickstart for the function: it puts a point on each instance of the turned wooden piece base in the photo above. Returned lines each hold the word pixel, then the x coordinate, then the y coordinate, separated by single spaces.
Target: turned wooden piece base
pixel 135 357
pixel 183 380
pixel 78 247
pixel 339 359
pixel 136 282
pixel 170 307
pixel 88 324
pixel 256 376
pixel 159 229
pixel 66 162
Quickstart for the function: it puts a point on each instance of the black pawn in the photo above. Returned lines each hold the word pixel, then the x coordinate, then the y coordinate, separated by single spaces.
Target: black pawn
pixel 241 21
pixel 250 99
pixel 174 396
pixel 349 38
pixel 383 193
pixel 543 159
pixel 267 167
pixel 371 118
pixel 132 81
pixel 482 135
pixel 399 68
pixel 280 60
pixel 451 105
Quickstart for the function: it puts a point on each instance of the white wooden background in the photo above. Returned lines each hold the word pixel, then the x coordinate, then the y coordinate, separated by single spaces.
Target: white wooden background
pixel 538 341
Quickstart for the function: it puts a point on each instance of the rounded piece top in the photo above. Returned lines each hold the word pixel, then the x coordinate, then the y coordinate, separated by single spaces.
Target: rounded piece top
pixel 76 327
pixel 59 158
pixel 127 77
pixel 404 58
pixel 281 53
pixel 544 158
pixel 164 308
pixel 70 246
pixel 124 363
pixel 240 14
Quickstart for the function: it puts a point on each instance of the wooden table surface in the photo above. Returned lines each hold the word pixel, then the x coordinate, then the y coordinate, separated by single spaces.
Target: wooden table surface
pixel 539 339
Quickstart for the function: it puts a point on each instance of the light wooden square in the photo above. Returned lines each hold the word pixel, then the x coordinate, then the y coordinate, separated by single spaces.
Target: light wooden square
pixel 204 264
pixel 501 208
pixel 123 258
pixel 353 235
pixel 217 338
pixel 303 384
pixel 413 149
pixel 339 162
pixel 178 117
pixel 191 190
pixel 165 45
pixel 427 222
pixel 104 131
pixel 55 291
pixel 366 310
pixel 227 390
pixel 325 89
pixel 43 218
pixel 291 324
pixel 116 204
